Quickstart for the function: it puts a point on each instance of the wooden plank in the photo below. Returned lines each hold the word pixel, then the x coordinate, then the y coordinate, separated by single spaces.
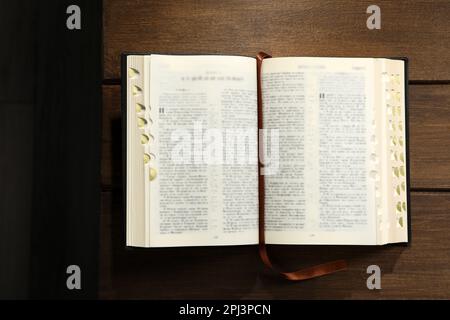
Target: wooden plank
pixel 17 79
pixel 430 136
pixel 17 59
pixel 421 270
pixel 16 170
pixel 429 116
pixel 66 189
pixel 418 30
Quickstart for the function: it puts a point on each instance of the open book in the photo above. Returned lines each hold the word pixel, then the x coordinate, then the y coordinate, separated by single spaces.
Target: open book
pixel 333 146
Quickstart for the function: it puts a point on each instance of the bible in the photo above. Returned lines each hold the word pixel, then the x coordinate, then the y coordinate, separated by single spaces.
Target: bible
pixel 328 138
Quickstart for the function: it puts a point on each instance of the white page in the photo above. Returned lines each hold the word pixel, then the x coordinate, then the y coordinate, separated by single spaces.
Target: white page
pixel 194 203
pixel 323 192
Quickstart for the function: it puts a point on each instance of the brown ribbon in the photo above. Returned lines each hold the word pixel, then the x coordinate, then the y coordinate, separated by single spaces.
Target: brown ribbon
pixel 303 274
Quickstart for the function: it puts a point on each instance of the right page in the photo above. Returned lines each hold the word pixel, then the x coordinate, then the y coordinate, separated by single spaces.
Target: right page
pixel 330 186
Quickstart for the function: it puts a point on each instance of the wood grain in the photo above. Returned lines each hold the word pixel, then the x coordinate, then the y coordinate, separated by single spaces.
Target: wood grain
pixel 66 189
pixel 17 58
pixel 429 122
pixel 17 32
pixel 419 30
pixel 421 270
pixel 16 168
pixel 430 136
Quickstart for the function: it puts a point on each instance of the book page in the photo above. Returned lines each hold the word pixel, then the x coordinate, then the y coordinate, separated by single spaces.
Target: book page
pixel 135 167
pixel 323 191
pixel 390 123
pixel 204 112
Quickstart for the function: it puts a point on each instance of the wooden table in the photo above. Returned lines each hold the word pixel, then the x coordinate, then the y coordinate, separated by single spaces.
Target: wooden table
pixel 419 30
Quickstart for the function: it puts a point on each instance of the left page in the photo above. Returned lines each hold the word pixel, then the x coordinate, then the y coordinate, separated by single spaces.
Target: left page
pixel 204 151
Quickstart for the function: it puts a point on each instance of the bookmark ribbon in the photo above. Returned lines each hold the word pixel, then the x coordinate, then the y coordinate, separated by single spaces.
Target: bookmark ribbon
pixel 302 274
